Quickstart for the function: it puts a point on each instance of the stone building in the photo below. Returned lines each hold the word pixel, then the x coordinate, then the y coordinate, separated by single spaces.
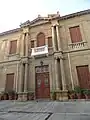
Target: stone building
pixel 47 54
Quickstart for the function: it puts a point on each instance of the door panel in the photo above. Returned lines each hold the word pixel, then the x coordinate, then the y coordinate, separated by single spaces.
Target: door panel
pixel 42 83
pixel 83 76
pixel 39 87
pixel 46 91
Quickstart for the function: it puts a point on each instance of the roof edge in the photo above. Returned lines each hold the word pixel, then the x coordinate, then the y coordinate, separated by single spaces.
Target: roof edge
pixel 84 12
pixel 10 31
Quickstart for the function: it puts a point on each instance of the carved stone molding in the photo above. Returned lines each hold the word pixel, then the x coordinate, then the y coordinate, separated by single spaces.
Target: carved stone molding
pixel 24 61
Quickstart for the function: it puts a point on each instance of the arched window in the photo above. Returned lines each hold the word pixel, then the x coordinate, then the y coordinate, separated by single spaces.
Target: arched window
pixel 40 39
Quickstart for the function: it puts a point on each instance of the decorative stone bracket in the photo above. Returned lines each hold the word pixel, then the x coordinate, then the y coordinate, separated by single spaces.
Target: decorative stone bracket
pixel 24 61
pixel 58 56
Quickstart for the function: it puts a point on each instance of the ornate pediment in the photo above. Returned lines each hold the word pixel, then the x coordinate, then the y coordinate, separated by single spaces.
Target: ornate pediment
pixel 37 21
pixel 40 20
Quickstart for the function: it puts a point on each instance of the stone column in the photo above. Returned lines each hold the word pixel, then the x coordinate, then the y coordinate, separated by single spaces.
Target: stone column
pixel 26 78
pixel 58 37
pixel 53 39
pixel 22 44
pixel 62 74
pixel 27 43
pixel 17 78
pixel 18 46
pixel 56 75
pixel 21 77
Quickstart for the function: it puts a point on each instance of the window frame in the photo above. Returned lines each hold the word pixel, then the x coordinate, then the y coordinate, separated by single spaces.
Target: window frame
pixel 10 47
pixel 40 37
pixel 48 42
pixel 77 27
pixel 33 44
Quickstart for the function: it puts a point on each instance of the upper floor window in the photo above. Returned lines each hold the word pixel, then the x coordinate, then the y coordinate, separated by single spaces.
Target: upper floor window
pixel 32 44
pixel 75 34
pixel 40 39
pixel 13 47
pixel 49 41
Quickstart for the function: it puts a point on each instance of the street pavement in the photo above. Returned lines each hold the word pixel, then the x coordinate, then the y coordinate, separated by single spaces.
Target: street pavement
pixel 45 110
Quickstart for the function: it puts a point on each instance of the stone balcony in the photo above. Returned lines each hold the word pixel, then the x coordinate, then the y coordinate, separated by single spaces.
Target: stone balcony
pixel 77 45
pixel 43 50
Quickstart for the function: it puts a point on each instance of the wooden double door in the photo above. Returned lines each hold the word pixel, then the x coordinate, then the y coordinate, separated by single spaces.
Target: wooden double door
pixel 42 82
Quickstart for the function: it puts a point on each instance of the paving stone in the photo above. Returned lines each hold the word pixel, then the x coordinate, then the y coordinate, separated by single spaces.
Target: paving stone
pixel 85 117
pixel 12 116
pixel 57 116
pixel 11 110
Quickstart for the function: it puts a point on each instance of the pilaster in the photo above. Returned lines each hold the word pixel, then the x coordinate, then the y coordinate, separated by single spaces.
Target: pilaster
pixel 62 74
pixel 26 78
pixel 27 43
pixel 17 77
pixel 22 44
pixel 53 39
pixel 58 38
pixel 21 77
pixel 56 75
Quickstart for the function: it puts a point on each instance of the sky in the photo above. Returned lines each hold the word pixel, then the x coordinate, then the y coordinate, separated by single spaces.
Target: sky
pixel 14 12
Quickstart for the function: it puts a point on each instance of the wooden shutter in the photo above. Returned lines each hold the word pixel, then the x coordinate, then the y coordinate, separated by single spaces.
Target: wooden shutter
pixel 83 76
pixel 40 39
pixel 49 41
pixel 13 46
pixel 75 34
pixel 32 44
pixel 9 81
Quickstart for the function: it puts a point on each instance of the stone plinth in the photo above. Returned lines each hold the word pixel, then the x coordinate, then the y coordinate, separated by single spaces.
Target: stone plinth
pixel 61 95
pixel 65 95
pixel 22 96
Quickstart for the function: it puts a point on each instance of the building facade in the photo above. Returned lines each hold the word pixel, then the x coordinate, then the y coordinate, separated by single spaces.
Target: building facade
pixel 47 54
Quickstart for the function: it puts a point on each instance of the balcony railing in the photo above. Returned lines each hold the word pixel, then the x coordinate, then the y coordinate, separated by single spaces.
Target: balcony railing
pixel 78 45
pixel 39 50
